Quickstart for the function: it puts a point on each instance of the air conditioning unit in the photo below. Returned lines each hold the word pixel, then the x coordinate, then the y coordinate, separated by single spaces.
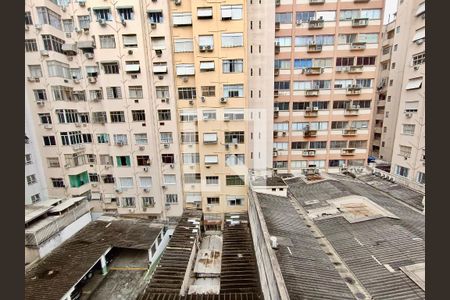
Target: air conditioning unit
pixel 185 79
pixel 172 166
pixel 31 79
pixel 153 25
pixel 165 100
pixel 226 119
pixel 124 23
pixel 315 108
pixel 38 26
pixel 191 102
pixel 223 100
pixel 164 187
pixel 209 48
pixel 120 143
pixel 145 169
pixel 227 146
pixel 40 102
pixel 177 2
pixel 158 52
pixel 202 48
pixel 48 126
pixel 82 2
pixel 44 53
pixel 284 133
pixel 75 80
pixel 166 145
pixel 118 190
pixel 142 148
pixel 86 30
pixel 92 79
pixel 298 22
pixel 203 98
pixel 146 190
pixel 69 58
pixel 416 68
pixel 208 207
pixel 89 55
pixel 160 77
pixel 102 22
pixel 408 114
pixel 78 30
pixel 420 41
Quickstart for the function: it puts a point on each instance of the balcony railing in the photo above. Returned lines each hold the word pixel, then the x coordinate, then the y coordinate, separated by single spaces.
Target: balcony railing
pixel 311 113
pixel 276 71
pixel 314 2
pixel 312 92
pixel 309 153
pixel 277 26
pixel 351 111
pixel 349 132
pixel 355 69
pixel 314 48
pixel 353 90
pixel 315 24
pixel 347 151
pixel 277 49
pixel 313 71
pixel 358 46
pixel 360 22
pixel 310 133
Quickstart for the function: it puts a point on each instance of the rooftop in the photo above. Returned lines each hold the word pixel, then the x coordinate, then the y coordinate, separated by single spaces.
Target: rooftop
pixel 268 181
pixel 55 274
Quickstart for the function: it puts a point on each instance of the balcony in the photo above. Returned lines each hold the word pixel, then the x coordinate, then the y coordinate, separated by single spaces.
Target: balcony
pixel 316 2
pixel 355 69
pixel 311 113
pixel 313 71
pixel 353 90
pixel 360 22
pixel 309 133
pixel 276 72
pixel 69 49
pixel 356 46
pixel 314 48
pixel 78 147
pixel 277 26
pixel 312 92
pixel 349 132
pixel 315 24
pixel 348 151
pixel 277 49
pixel 309 153
pixel 351 111
pixel 276 112
pixel 275 93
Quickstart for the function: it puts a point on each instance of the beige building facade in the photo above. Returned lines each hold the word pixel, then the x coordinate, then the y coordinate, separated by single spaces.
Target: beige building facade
pixel 326 63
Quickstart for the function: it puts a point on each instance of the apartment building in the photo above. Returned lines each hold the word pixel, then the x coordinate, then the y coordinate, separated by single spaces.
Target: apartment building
pixel 209 56
pixel 408 151
pixel 102 102
pixel 326 63
pixel 35 182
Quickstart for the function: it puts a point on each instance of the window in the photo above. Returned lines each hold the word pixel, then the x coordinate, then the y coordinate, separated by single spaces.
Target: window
pixel 103 14
pixel 45 118
pixel 213 180
pixel 418 58
pixel 107 41
pixel 190 158
pixel 235 137
pixel 145 182
pixel 402 171
pixel 31 179
pixel 357 144
pixel 35 71
pixel 212 200
pixel 408 129
pixel 280 146
pixel 108 178
pixel 84 21
pixel 58 69
pixel 126 13
pixel 106 160
pixel 111 68
pixel 68 25
pixel 282 85
pixel 31 45
pixel 48 16
pixel 185 69
pixel 148 201
pixel 132 67
pixel 129 40
pixel 420 177
pixel 93 177
pixel 235 200
pixel 283 64
pixel 318 145
pixel 164 115
pixel 143 160
pixel 166 137
pixel 233 90
pixel 141 138
pixel 314 84
pixel 364 83
pixel 183 45
pixel 167 158
pixel 283 41
pixel 414 83
pixel 120 139
pixel 155 16
pixel 117 117
pixel 188 116
pixel 231 12
pixel 208 91
pixel 281 106
pixel 162 92
pixel 232 65
pixel 338 144
pixel 123 161
pixel 128 202
pixel 233 114
pixel 207 66
pixel 405 151
pixel 210 138
pixel 57 182
pixel 102 138
pixel 235 180
pixel 171 198
pixel 411 106
pixel 360 124
pixel 283 18
pixel 366 60
pixel 83 117
pixel 189 137
pixel 232 40
pixel 339 124
pixel 234 159
pixel 49 140
pixel 206 41
pixel 169 179
pixel 113 92
pixel 35 198
pixel 204 13
pixel 92 71
pixel 53 162
pixel 182 19
pixel 28 19
pixel 211 159
pixel 192 178
pixel 99 117
pixel 135 92
pixel 125 182
pixel 52 43
pixel 281 126
pixel 187 93
pixel 138 115
pixel 158 43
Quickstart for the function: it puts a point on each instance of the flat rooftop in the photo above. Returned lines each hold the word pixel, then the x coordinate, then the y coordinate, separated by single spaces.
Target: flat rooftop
pixel 54 275
pixel 268 181
pixel 377 235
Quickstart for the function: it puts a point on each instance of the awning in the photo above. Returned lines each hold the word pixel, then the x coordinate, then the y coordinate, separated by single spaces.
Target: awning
pixel 420 34
pixel 125 7
pixel 211 159
pixel 414 83
pixel 207 65
pixel 159 69
pixel 204 12
pixel 185 70
pixel 85 44
pixel 69 47
pixel 132 68
pixel 420 9
pixel 210 137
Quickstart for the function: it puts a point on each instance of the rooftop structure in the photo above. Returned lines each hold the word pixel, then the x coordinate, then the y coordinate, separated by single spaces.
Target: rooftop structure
pixel 340 238
pixel 82 262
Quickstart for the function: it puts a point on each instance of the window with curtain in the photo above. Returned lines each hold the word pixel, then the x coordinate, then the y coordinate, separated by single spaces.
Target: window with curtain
pixel 107 41
pixel 190 158
pixel 284 18
pixel 232 40
pixel 326 39
pixel 126 182
pixel 233 90
pixel 369 38
pixel 145 182
pixel 283 64
pixel 48 16
pixel 206 40
pixel 301 41
pixel 283 41
pixel 231 12
pixel 103 14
